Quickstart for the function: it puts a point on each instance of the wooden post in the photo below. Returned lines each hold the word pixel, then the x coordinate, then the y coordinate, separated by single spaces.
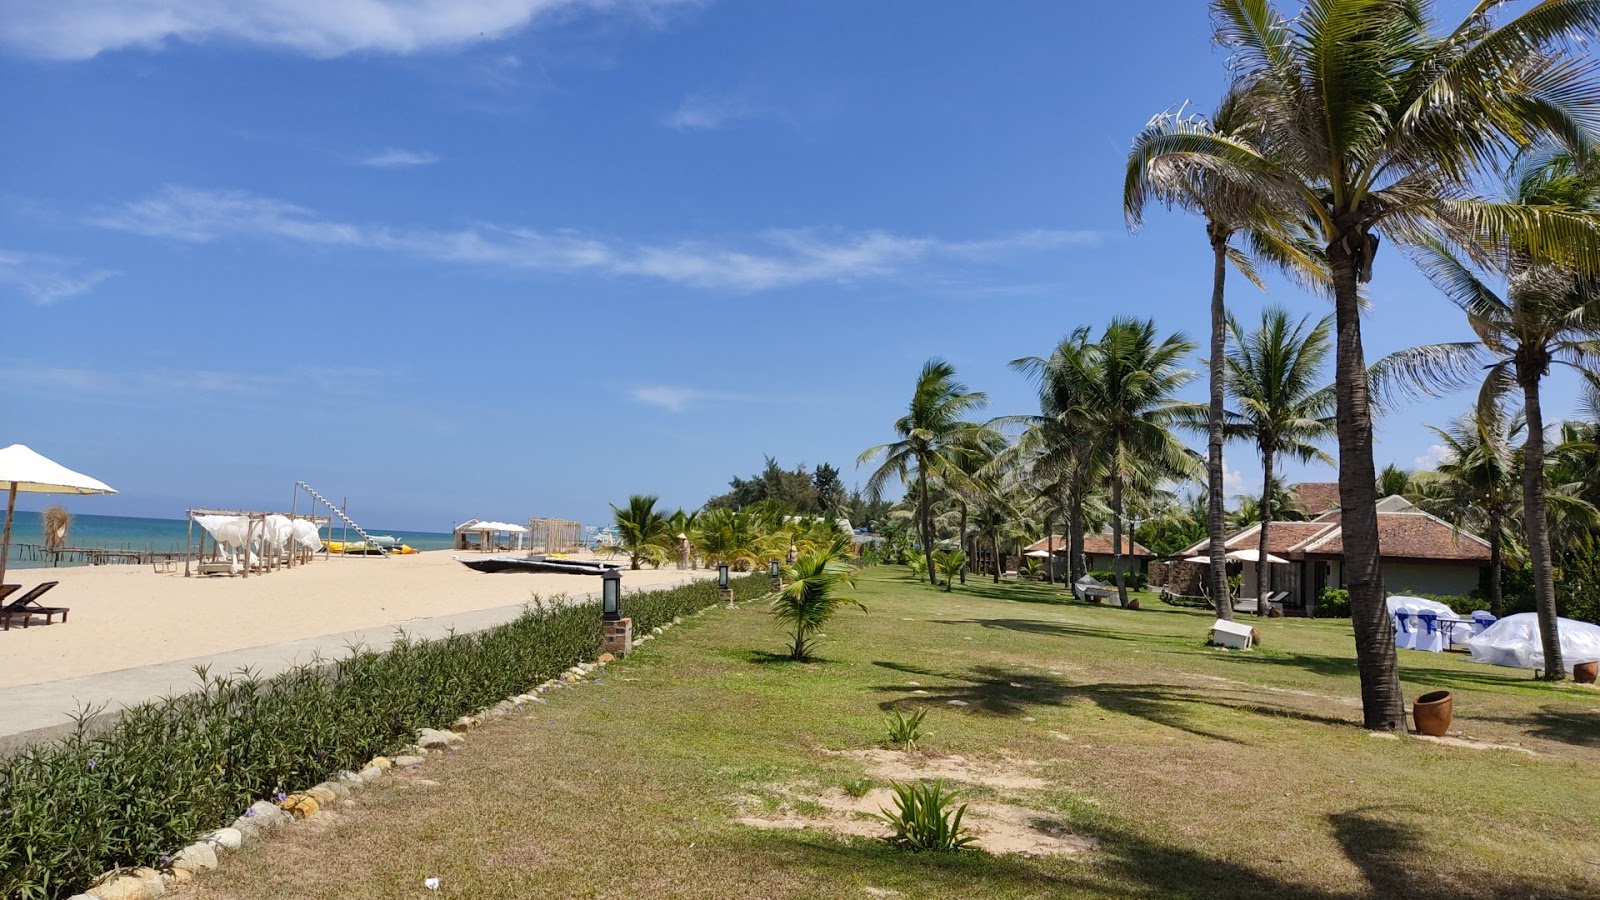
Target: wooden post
pixel 294 537
pixel 249 531
pixel 5 542
pixel 188 545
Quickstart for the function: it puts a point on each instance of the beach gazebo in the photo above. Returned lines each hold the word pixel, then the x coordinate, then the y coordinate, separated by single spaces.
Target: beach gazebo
pixel 486 530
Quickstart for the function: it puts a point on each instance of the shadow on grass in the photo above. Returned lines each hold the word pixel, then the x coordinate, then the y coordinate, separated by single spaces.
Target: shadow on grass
pixel 1579 727
pixel 1049 629
pixel 1345 666
pixel 769 658
pixel 1003 692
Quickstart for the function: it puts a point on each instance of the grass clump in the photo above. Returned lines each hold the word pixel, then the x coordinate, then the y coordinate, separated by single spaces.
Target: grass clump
pixel 924 820
pixel 905 732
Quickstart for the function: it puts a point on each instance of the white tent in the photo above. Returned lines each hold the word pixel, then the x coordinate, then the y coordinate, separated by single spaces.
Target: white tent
pixel 1248 556
pixel 22 470
pixel 1515 641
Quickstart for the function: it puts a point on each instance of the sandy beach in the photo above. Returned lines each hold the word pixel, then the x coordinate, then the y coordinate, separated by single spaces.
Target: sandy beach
pixel 127 616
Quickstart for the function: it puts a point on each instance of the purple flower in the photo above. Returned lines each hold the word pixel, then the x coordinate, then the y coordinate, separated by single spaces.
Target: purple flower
pixel 93 764
pixel 280 796
pixel 250 813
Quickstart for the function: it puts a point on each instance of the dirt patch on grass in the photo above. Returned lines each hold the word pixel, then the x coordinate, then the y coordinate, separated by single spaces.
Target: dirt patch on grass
pixel 1000 829
pixel 894 765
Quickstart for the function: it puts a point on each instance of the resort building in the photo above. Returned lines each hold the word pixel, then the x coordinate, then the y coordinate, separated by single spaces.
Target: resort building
pixel 1422 554
pixel 1096 553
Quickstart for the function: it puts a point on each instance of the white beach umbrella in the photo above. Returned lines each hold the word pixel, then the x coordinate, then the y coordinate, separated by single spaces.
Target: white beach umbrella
pixel 22 470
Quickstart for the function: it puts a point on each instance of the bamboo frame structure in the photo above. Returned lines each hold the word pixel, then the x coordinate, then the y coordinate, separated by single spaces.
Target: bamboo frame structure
pixel 256 524
pixel 554 535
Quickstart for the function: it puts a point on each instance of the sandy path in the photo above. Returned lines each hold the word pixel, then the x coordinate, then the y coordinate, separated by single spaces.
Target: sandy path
pixel 125 616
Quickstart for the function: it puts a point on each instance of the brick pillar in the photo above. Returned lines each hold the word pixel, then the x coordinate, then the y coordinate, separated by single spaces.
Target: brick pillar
pixel 619 636
pixel 727 596
pixel 777 583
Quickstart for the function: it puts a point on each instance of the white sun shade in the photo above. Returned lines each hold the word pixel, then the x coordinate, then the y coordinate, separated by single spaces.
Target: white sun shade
pixel 31 473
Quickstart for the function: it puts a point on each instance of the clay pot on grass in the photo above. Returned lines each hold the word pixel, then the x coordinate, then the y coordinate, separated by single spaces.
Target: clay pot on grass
pixel 1432 713
pixel 1584 673
pixel 1133 603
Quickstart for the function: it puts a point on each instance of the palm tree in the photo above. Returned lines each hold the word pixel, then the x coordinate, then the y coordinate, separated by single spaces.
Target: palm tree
pixel 1126 389
pixel 948 563
pixel 813 595
pixel 1230 205
pixel 931 434
pixel 1376 125
pixel 1476 486
pixel 729 536
pixel 1549 315
pixel 1273 374
pixel 642 532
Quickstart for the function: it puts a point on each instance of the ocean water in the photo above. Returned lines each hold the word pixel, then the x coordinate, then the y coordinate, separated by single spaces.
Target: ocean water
pixel 161 535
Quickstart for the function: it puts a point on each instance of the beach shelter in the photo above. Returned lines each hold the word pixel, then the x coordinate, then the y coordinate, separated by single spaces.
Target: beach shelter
pixel 24 471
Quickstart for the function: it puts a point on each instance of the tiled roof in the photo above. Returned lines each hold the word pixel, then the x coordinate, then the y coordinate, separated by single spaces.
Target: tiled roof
pixel 1409 536
pixel 1098 544
pixel 1317 497
pixel 1281 538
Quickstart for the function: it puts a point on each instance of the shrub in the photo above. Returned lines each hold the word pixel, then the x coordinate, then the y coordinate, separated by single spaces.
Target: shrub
pixel 1333 603
pixel 167 771
pixel 1135 580
pixel 906 731
pixel 813 595
pixel 923 819
pixel 948 564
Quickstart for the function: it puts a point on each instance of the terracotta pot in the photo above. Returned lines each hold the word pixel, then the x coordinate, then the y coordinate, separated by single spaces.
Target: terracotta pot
pixel 1274 613
pixel 1432 713
pixel 1134 604
pixel 1255 637
pixel 1584 673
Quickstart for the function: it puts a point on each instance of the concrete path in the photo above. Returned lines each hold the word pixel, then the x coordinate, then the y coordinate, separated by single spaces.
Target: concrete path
pixel 38 712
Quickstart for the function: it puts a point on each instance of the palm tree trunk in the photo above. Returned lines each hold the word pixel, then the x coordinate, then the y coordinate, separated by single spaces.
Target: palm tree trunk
pixel 1382 702
pixel 964 546
pixel 997 564
pixel 926 515
pixel 1263 568
pixel 1050 550
pixel 1217 572
pixel 1116 540
pixel 1075 567
pixel 1537 523
pixel 1496 565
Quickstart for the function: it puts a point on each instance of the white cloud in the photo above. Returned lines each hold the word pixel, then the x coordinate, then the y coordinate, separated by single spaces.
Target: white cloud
pixel 701 112
pixel 1233 483
pixel 773 259
pixel 1433 456
pixel 164 382
pixel 81 29
pixel 396 158
pixel 46 279
pixel 667 397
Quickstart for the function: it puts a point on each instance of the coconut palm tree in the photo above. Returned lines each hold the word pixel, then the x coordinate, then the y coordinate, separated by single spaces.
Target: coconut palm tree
pixel 1230 206
pixel 932 433
pixel 1376 125
pixel 729 536
pixel 1548 315
pixel 1477 484
pixel 642 533
pixel 1275 375
pixel 1126 387
pixel 814 594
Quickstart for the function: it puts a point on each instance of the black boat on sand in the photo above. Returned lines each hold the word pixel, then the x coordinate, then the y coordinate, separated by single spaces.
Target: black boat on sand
pixel 536 564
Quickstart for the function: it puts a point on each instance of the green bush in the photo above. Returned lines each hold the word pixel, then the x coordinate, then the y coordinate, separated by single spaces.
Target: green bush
pixel 905 732
pixel 1333 603
pixel 924 820
pixel 1135 580
pixel 167 771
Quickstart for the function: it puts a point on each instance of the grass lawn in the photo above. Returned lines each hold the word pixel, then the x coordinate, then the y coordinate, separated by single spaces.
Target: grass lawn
pixel 1196 772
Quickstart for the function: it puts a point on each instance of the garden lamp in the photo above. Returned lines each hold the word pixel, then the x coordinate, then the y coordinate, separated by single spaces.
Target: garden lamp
pixel 772 567
pixel 611 594
pixel 722 576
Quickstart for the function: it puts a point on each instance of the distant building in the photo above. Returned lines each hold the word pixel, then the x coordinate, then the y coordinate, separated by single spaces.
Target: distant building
pixel 1317 497
pixel 1096 553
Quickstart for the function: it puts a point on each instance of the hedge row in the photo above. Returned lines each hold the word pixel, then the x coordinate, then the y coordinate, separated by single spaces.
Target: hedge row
pixel 170 770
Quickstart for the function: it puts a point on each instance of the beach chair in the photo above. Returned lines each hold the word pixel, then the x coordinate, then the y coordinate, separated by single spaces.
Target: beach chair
pixel 27 606
pixel 7 590
pixel 1481 620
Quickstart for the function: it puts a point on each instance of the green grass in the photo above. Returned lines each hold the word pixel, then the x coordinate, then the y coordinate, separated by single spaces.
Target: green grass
pixel 1201 772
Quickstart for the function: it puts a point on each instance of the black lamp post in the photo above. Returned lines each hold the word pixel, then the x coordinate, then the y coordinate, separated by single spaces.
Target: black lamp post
pixel 722 576
pixel 611 595
pixel 772 567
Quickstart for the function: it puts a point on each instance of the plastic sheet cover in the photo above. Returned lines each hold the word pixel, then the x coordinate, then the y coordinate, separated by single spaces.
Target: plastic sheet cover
pixel 1515 641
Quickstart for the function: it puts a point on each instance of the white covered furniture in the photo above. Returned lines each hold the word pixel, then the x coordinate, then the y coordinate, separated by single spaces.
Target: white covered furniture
pixel 1233 635
pixel 1405 630
pixel 1430 636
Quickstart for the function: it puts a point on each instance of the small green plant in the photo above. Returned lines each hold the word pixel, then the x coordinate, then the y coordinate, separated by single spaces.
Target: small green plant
pixel 814 594
pixel 923 819
pixel 905 731
pixel 918 566
pixel 859 787
pixel 1032 568
pixel 1333 603
pixel 948 564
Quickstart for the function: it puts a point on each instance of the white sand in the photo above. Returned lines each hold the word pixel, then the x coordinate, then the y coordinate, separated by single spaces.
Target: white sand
pixel 125 616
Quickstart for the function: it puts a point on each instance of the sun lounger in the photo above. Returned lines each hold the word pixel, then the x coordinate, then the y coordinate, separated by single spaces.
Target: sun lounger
pixel 7 590
pixel 27 606
pixel 1274 601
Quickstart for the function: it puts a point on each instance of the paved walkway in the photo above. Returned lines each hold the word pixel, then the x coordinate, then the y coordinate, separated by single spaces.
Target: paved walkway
pixel 36 712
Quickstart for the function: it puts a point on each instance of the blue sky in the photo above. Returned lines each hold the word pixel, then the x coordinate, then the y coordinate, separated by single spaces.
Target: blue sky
pixel 500 258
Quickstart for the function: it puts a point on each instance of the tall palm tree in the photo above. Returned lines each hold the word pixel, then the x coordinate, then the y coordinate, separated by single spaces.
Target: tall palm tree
pixel 643 533
pixel 1477 484
pixel 1375 124
pixel 931 433
pixel 1230 205
pixel 1393 481
pixel 1549 315
pixel 1127 385
pixel 1275 375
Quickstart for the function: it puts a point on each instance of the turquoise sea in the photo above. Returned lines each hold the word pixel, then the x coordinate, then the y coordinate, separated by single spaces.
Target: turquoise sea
pixel 160 535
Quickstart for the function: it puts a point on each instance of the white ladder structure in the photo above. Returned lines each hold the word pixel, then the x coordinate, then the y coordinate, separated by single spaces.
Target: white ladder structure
pixel 346 519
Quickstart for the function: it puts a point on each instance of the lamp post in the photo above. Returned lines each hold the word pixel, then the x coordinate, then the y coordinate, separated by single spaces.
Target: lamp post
pixel 772 569
pixel 618 631
pixel 724 589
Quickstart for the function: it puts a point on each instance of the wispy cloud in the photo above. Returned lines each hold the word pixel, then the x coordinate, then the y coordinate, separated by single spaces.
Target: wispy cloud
pixel 46 279
pixel 668 397
pixel 81 29
pixel 772 259
pixel 163 381
pixel 396 158
pixel 701 112
pixel 1433 456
